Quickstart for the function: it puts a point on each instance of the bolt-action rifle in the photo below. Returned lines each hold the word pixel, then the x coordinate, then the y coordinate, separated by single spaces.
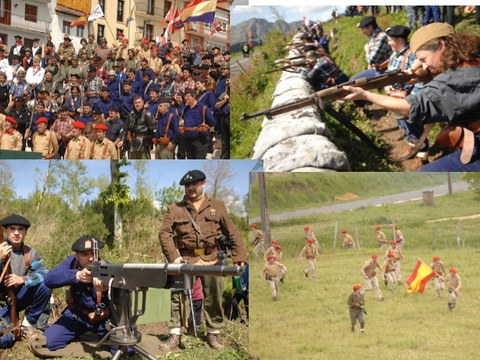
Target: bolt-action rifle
pixel 297 62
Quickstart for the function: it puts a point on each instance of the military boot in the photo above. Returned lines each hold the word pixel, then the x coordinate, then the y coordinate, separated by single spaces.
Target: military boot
pixel 171 344
pixel 212 340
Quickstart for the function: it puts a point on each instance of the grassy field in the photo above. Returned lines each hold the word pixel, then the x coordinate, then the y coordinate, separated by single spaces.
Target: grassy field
pixel 310 320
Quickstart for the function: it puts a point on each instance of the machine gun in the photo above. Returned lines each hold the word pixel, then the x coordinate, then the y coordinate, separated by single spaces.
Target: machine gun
pixel 125 279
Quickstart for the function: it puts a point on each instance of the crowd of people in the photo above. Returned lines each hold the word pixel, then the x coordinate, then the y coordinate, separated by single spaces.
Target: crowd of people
pixel 110 102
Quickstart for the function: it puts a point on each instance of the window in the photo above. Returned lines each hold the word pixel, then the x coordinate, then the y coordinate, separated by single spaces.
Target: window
pixel 31 13
pixel 120 10
pixel 28 42
pixel 66 27
pixel 80 31
pixel 167 6
pixel 4 38
pixel 149 31
pixel 151 7
pixel 100 31
pixel 102 5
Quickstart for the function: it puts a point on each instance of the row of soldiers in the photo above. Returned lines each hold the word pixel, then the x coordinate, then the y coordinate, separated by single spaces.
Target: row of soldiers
pixel 381 238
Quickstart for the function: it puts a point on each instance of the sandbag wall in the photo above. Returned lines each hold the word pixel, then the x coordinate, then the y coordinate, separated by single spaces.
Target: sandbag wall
pixel 298 140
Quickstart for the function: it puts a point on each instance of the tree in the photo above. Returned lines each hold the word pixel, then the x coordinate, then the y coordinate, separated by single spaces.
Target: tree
pixel 473 179
pixel 168 195
pixel 7 192
pixel 143 189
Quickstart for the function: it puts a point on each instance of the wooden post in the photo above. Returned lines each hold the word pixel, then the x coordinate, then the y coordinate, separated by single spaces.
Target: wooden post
pixel 428 198
pixel 262 189
pixel 459 240
pixel 434 237
pixel 394 237
pixel 450 187
pixel 357 240
pixel 335 236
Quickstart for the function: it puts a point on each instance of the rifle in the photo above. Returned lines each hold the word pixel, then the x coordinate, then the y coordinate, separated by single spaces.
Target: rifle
pixel 337 92
pixel 298 62
pixel 280 61
pixel 123 279
pixel 7 270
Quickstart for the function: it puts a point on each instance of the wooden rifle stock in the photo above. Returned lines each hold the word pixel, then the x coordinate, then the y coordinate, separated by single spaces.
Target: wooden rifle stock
pixel 281 68
pixel 338 92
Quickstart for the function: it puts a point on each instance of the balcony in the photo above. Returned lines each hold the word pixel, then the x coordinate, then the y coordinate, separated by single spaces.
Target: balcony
pixel 22 23
pixel 144 9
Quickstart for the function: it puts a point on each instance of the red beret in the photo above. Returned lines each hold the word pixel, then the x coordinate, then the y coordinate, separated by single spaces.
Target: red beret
pixel 79 125
pixel 306 228
pixel 393 242
pixel 310 241
pixel 453 270
pixel 100 127
pixel 42 120
pixel 377 228
pixel 278 247
pixel 391 255
pixel 396 227
pixel 344 231
pixel 435 258
pixel 11 120
pixel 270 257
pixel 374 256
pixel 356 287
pixel 155 47
pixel 125 40
pixel 274 242
pixel 145 41
pixel 253 226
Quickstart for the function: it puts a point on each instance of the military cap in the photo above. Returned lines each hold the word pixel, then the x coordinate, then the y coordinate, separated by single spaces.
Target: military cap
pixel 192 176
pixel 85 243
pixel 393 242
pixel 92 69
pixel 344 231
pixel 15 219
pixel 164 100
pixel 100 127
pixel 398 31
pixel 114 108
pixel 36 39
pixel 253 226
pixel 11 120
pixel 97 111
pixel 154 87
pixel 42 120
pixel 430 32
pixel 311 55
pixel 274 242
pixel 453 270
pixel 395 227
pixel 436 258
pixel 310 241
pixel 367 20
pixel 391 254
pixel 374 256
pixel 356 287
pixel 18 37
pixel 377 228
pixel 278 247
pixel 306 228
pixel 112 73
pixel 28 49
pixel 78 124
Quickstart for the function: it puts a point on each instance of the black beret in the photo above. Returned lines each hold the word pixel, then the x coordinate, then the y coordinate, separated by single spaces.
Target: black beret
pixel 15 219
pixel 398 31
pixel 192 176
pixel 367 20
pixel 86 242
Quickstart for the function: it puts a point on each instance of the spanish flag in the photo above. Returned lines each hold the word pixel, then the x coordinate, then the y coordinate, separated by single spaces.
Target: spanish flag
pixel 199 10
pixel 420 275
pixel 82 20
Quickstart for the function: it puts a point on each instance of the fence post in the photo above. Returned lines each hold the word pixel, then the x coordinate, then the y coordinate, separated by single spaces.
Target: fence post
pixel 357 240
pixel 459 240
pixel 434 245
pixel 335 236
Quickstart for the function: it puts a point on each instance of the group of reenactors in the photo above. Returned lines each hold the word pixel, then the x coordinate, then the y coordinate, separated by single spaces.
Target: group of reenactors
pixel 168 100
pixel 87 297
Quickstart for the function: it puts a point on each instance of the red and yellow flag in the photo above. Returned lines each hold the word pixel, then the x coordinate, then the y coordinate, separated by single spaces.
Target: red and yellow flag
pixel 82 20
pixel 420 275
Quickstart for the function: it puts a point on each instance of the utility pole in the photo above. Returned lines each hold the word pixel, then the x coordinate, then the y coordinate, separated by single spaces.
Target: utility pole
pixel 264 208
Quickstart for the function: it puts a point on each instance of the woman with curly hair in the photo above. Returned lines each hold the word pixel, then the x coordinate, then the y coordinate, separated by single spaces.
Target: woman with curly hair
pixel 453 96
pixel 131 62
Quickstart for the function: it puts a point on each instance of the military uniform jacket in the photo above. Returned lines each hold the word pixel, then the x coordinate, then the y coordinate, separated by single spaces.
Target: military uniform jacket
pixel 309 251
pixel 438 267
pixel 454 281
pixel 272 251
pixel 397 252
pixel 142 127
pixel 11 140
pixel 389 265
pixel 368 269
pixel 258 237
pixel 104 149
pixel 45 143
pixel 177 231
pixel 356 301
pixel 78 149
pixel 274 269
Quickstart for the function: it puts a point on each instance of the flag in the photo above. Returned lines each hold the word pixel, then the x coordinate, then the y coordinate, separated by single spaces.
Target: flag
pixel 199 10
pixel 169 15
pixel 420 275
pixel 173 26
pixel 215 27
pixel 129 19
pixel 97 13
pixel 82 20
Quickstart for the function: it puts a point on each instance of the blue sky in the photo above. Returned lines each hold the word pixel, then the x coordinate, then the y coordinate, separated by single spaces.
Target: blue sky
pixel 160 173
pixel 288 13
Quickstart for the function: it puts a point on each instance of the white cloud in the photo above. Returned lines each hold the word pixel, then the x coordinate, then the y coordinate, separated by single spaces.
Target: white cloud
pixel 245 10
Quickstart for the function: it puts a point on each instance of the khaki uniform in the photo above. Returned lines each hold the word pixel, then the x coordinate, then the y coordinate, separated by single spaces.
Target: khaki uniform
pixel 348 241
pixel 179 238
pixel 272 251
pixel 398 258
pixel 273 273
pixel 454 284
pixel 104 149
pixel 310 252
pixel 381 238
pixel 389 270
pixel 78 149
pixel 11 141
pixel 439 268
pixel 258 242
pixel 45 143
pixel 368 271
pixel 155 64
pixel 400 239
pixel 311 235
pixel 355 302
pixel 89 132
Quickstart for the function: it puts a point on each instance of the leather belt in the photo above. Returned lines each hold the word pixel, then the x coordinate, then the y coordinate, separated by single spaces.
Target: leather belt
pixel 198 252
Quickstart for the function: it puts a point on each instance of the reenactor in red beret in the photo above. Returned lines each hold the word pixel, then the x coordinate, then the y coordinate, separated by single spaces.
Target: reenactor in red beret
pixel 347 240
pixel 79 146
pixel 454 284
pixel 439 269
pixel 272 271
pixel 102 148
pixel 44 141
pixel 310 252
pixel 258 240
pixel 398 258
pixel 388 269
pixel 276 250
pixel 399 238
pixel 10 138
pixel 368 272
pixel 310 235
pixel 356 303
pixel 381 238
